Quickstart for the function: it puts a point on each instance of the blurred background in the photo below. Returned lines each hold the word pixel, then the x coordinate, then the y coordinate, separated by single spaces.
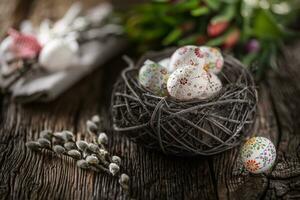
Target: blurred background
pixel 253 30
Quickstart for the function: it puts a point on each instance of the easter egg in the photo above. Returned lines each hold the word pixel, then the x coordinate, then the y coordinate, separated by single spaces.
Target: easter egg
pixel 186 55
pixel 214 60
pixel 258 155
pixel 148 62
pixel 154 77
pixel 189 82
pixel 213 87
pixel 165 62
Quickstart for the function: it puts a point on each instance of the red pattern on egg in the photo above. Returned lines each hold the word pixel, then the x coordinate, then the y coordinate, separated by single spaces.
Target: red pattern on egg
pixel 258 154
pixel 187 55
pixel 199 53
pixel 197 56
pixel 192 82
pixel 213 58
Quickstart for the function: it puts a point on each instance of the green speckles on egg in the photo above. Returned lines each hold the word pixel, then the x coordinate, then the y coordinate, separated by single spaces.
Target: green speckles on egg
pixel 154 77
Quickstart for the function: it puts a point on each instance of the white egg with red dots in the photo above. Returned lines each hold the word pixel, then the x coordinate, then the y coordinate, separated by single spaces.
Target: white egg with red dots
pixel 186 55
pixel 192 82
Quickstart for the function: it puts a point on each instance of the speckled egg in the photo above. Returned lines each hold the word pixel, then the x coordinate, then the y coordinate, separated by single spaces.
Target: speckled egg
pixel 154 77
pixel 191 82
pixel 186 55
pixel 213 87
pixel 214 60
pixel 258 155
pixel 165 62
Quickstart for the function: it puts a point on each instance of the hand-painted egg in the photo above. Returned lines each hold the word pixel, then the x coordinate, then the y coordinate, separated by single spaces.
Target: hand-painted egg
pixel 165 62
pixel 186 55
pixel 154 77
pixel 214 60
pixel 148 62
pixel 213 87
pixel 58 54
pixel 258 155
pixel 188 83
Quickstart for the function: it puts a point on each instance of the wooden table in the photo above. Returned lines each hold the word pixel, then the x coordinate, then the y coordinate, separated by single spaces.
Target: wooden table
pixel 28 175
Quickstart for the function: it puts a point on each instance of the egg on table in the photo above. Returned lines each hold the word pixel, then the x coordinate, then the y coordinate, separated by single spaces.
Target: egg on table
pixel 154 77
pixel 192 82
pixel 214 60
pixel 186 55
pixel 258 155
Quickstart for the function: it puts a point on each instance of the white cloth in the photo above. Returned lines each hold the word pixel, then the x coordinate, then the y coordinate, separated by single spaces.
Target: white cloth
pixel 42 86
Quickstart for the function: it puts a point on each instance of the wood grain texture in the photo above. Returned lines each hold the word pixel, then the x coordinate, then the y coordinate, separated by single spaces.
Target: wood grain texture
pixel 29 175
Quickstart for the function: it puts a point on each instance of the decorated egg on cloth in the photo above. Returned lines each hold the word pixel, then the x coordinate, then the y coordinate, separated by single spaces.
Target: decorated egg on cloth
pixel 186 55
pixel 258 154
pixel 214 60
pixel 58 54
pixel 154 77
pixel 192 82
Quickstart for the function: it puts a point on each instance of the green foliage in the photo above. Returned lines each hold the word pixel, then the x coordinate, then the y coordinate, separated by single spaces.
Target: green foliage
pixel 229 24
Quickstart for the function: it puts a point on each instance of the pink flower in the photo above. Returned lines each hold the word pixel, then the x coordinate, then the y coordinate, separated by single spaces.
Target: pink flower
pixel 24 46
pixel 253 46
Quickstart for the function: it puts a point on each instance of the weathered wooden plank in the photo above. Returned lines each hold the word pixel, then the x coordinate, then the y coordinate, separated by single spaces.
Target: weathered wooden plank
pixel 232 184
pixel 285 93
pixel 12 12
pixel 28 175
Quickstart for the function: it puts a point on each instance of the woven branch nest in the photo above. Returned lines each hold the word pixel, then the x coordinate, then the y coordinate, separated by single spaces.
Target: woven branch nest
pixel 198 127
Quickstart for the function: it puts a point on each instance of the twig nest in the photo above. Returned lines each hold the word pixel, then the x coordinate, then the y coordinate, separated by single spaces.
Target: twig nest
pixel 258 155
pixel 196 126
pixel 58 54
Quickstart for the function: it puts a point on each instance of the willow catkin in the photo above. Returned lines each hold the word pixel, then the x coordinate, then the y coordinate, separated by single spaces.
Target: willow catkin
pixel 82 145
pixel 92 156
pixel 59 149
